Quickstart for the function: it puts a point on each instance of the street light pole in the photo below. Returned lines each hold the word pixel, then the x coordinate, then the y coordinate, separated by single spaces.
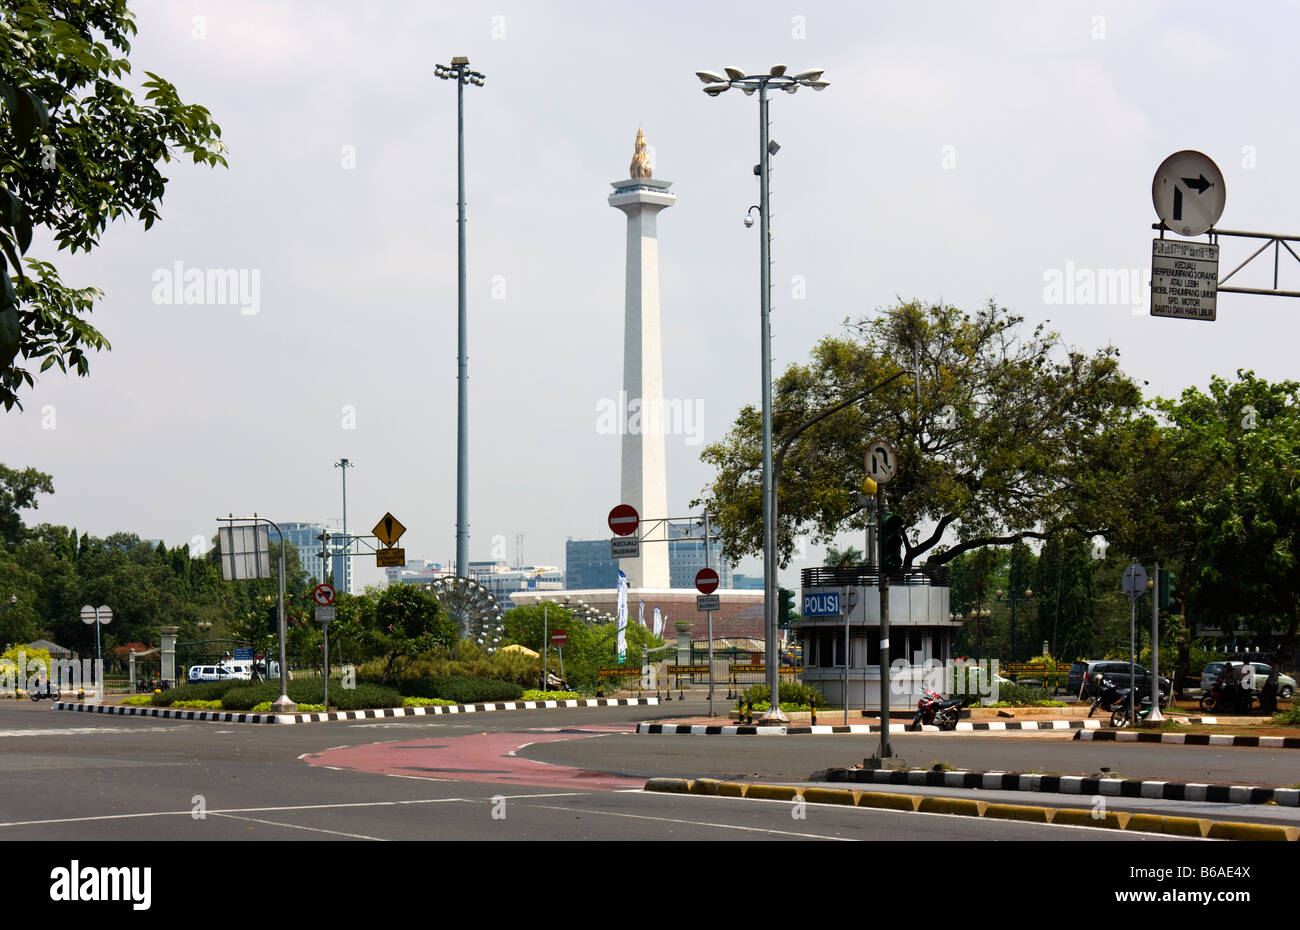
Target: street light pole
pixel 344 583
pixel 716 84
pixel 462 75
pixel 771 658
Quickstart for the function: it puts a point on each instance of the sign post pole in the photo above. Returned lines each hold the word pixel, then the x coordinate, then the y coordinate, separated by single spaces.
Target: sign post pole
pixel 883 577
pixel 707 564
pixel 882 467
pixel 1134 583
pixel 1155 714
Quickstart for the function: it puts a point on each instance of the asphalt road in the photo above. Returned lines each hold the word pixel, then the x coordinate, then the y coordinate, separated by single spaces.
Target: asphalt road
pixel 509 775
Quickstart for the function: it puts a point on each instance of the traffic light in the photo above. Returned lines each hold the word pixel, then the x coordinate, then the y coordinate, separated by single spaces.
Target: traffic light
pixel 1166 588
pixel 891 542
pixel 785 615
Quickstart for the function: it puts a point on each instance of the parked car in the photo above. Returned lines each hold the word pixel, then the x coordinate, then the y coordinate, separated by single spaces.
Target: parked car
pixel 1083 673
pixel 199 673
pixel 1285 683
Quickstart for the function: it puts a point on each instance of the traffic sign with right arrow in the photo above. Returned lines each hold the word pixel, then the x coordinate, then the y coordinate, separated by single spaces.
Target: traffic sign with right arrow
pixel 1188 193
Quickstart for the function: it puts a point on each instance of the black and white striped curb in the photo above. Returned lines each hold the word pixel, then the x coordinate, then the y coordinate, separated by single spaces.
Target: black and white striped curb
pixel 1194 739
pixel 864 728
pixel 1073 784
pixel 225 716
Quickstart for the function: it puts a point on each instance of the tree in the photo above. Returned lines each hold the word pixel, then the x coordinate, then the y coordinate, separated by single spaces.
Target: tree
pixel 403 621
pixel 1245 521
pixel 990 454
pixel 850 556
pixel 18 490
pixel 1065 595
pixel 77 149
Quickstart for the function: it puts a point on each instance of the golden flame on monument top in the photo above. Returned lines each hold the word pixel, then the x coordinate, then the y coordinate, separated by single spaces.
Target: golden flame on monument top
pixel 640 160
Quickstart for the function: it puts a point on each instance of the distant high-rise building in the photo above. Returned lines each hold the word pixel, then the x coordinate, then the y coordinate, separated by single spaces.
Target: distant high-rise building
pixel 686 558
pixel 303 537
pixel 587 565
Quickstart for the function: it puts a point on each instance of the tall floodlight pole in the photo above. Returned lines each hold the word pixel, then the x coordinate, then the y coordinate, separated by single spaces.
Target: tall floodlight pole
pixel 748 83
pixel 345 583
pixel 462 75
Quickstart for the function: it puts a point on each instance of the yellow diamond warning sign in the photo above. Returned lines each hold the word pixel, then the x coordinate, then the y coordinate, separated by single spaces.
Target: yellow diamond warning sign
pixel 389 530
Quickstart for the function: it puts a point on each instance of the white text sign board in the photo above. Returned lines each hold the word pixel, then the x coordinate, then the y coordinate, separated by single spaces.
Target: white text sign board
pixel 625 547
pixel 1184 279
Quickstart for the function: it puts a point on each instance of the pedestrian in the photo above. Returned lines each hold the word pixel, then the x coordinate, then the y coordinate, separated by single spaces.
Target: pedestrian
pixel 1246 680
pixel 1268 693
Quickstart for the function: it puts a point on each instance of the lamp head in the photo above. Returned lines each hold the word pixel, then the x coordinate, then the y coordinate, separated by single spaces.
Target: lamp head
pixel 710 77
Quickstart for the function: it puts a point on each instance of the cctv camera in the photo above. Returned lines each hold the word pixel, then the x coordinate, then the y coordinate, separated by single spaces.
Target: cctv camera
pixel 749 220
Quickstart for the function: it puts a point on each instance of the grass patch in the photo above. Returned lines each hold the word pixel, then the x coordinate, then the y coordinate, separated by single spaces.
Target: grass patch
pixel 535 695
pixel 266 708
pixel 137 700
pixel 426 702
pixel 197 705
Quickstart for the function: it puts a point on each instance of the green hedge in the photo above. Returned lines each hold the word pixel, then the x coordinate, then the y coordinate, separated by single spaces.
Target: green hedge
pixel 791 693
pixel 365 695
pixel 535 695
pixel 463 689
pixel 200 691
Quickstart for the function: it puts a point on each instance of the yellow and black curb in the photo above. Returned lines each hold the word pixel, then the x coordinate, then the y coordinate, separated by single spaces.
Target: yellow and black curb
pixel 1192 827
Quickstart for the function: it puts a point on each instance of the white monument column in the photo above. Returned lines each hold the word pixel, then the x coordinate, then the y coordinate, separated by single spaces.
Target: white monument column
pixel 645 482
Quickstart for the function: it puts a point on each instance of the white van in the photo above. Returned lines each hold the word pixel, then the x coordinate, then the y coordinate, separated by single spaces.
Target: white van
pixel 212 673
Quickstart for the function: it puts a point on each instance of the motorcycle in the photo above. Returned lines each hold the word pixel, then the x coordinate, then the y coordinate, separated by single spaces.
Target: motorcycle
pixel 35 694
pixel 1228 696
pixel 933 710
pixel 1115 701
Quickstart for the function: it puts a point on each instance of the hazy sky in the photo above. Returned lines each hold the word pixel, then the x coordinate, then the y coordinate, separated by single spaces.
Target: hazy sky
pixel 962 152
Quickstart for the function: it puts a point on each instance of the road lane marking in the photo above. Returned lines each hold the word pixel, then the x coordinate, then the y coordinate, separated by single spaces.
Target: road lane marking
pixel 75 731
pixel 354 836
pixel 189 811
pixel 697 823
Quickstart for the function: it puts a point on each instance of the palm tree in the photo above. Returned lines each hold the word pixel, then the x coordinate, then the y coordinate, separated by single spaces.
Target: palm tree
pixel 840 559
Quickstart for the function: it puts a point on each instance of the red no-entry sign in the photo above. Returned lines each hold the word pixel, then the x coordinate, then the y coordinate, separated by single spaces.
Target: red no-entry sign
pixel 559 637
pixel 706 580
pixel 624 520
pixel 323 595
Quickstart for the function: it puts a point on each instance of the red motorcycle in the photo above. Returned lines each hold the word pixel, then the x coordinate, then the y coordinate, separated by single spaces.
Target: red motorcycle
pixel 1228 696
pixel 933 710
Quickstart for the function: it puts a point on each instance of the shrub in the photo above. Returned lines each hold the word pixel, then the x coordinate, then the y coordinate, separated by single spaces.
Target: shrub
pixel 425 702
pixel 197 705
pixel 1289 717
pixel 364 695
pixel 266 708
pixel 535 695
pixel 461 689
pixel 1011 694
pixel 136 700
pixel 200 691
pixel 794 694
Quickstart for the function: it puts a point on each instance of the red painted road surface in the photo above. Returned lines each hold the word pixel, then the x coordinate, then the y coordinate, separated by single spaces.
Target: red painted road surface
pixel 487 758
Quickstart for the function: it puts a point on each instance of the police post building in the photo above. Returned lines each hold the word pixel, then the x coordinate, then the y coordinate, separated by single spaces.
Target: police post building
pixel 921 630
